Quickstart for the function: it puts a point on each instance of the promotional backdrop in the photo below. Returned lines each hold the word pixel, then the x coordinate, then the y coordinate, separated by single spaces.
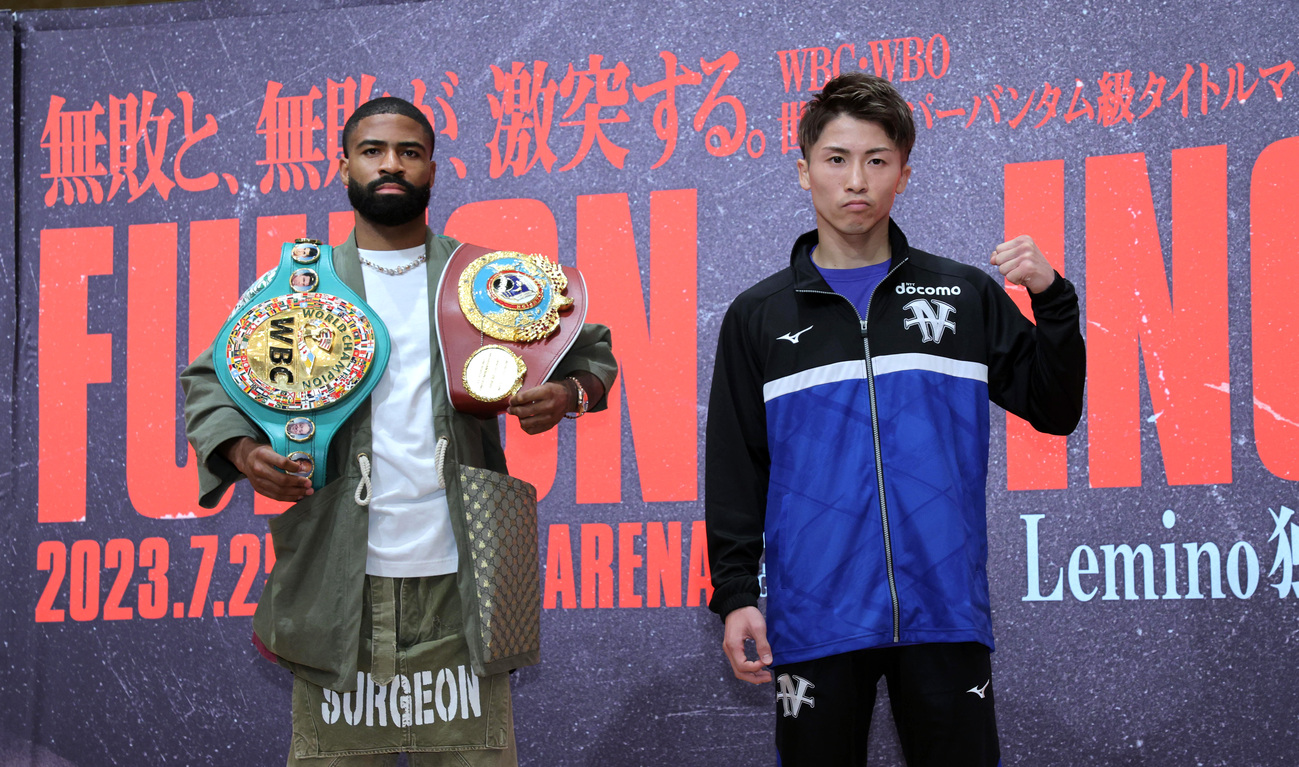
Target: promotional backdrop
pixel 1143 570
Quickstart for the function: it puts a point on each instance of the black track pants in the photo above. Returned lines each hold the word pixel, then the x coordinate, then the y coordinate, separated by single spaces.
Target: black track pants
pixel 941 696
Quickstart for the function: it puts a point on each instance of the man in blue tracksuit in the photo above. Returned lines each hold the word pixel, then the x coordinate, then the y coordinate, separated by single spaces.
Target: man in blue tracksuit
pixel 848 429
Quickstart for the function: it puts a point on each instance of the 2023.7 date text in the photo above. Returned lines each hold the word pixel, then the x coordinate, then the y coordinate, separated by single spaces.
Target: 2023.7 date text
pixel 82 570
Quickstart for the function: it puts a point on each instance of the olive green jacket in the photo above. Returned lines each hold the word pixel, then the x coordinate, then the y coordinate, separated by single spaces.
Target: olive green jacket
pixel 310 610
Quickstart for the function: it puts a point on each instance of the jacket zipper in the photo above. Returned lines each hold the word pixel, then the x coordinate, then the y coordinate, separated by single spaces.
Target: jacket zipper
pixel 875 437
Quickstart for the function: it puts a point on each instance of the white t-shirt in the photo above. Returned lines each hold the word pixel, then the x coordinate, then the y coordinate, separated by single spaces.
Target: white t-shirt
pixel 410 524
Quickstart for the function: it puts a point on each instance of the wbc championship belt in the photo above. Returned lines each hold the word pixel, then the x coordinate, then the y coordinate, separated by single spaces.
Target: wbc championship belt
pixel 505 320
pixel 300 352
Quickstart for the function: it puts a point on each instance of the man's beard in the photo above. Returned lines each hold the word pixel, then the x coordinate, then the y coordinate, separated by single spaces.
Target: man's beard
pixel 388 209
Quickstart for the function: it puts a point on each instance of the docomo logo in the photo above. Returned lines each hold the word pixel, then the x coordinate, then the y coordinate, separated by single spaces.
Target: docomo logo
pixel 912 289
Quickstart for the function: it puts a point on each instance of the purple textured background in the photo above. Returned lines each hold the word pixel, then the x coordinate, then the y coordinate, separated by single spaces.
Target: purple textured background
pixel 1134 683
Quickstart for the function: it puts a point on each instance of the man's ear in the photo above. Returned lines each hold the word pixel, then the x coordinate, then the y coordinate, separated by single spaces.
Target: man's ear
pixel 902 180
pixel 804 179
pixel 342 170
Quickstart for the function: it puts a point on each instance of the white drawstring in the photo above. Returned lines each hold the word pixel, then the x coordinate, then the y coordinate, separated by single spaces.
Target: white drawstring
pixel 439 460
pixel 363 487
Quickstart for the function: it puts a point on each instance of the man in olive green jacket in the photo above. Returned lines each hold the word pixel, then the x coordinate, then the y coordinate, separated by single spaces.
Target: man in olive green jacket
pixel 320 613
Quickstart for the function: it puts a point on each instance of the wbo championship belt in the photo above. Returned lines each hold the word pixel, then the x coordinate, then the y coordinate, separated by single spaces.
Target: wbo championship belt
pixel 300 352
pixel 504 322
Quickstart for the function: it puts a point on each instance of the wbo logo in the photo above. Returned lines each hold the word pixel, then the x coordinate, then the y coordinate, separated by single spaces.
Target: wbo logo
pixel 932 317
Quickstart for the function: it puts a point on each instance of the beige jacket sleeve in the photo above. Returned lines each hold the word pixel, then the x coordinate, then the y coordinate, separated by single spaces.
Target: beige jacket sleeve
pixel 592 352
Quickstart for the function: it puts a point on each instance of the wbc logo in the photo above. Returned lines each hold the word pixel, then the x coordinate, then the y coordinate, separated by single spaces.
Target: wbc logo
pixel 931 315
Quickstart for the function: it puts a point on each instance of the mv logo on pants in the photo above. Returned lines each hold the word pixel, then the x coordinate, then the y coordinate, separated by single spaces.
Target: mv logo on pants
pixel 793 694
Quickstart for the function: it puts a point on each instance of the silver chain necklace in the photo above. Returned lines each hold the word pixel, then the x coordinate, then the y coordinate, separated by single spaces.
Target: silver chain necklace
pixel 395 270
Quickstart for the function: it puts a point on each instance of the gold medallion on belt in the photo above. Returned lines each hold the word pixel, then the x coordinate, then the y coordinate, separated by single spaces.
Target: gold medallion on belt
pixel 514 298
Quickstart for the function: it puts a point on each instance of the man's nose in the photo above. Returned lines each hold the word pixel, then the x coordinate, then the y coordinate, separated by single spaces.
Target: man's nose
pixel 856 180
pixel 390 163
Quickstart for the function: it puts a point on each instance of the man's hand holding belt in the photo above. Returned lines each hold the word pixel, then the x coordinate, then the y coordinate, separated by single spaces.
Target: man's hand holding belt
pixel 540 408
pixel 270 473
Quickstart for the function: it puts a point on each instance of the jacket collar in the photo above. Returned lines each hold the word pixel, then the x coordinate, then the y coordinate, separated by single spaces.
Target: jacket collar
pixel 347 263
pixel 806 276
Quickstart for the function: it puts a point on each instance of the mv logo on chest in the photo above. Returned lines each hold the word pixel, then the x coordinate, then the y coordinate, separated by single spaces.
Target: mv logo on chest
pixel 931 315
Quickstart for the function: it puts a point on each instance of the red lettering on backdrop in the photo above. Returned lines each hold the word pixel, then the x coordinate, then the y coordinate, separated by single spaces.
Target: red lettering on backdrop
pixel 791 67
pixel 937 73
pixel 701 579
pixel 719 141
pixel 882 56
pixel 666 117
pixel 73 139
pixel 610 89
pixel 994 97
pixel 628 563
pixel 192 137
pixel 128 132
pixel 1035 207
pixel 1076 111
pixel 1050 101
pixel 915 55
pixel 340 226
pixel 1285 69
pixel 819 75
pixel 560 582
pixel 446 124
pixel 213 279
pixel 1183 340
pixel 597 565
pixel 791 112
pixel 1274 272
pixel 289 124
pixel 341 100
pixel 269 547
pixel 272 233
pixel 70 360
pixel 156 486
pixel 657 358
pixel 525 226
pixel 913 59
pixel 837 62
pixel 663 564
pixel 524 112
pixel 818 63
pixel 1115 102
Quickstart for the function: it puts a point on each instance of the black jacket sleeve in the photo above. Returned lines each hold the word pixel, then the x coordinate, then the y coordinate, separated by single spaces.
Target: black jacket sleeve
pixel 736 468
pixel 1038 371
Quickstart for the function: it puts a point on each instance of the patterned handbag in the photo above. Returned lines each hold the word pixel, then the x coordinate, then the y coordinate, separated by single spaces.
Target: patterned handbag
pixel 501 521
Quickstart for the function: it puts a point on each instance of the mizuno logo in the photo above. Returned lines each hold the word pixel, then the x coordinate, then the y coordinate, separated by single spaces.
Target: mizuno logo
pixel 793 337
pixel 931 316
pixel 793 693
pixel 980 690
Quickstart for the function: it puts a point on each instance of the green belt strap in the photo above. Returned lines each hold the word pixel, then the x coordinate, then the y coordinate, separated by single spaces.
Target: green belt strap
pixel 300 353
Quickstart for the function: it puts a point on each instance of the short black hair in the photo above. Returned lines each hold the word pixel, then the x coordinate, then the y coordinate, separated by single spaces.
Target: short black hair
pixel 387 105
pixel 864 97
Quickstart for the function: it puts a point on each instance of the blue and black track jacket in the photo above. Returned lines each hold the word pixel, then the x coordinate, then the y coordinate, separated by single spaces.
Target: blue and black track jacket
pixel 859 446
